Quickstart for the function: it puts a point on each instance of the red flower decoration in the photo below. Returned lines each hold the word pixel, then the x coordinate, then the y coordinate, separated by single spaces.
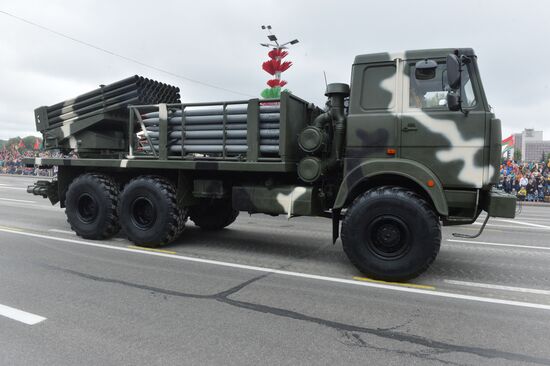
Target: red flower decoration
pixel 276 52
pixel 276 82
pixel 274 66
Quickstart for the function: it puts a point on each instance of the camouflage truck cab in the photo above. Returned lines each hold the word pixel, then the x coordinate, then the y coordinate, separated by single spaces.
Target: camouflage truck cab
pixel 410 145
pixel 400 127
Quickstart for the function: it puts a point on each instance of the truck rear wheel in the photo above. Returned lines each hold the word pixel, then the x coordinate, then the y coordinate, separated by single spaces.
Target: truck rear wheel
pixel 214 214
pixel 391 234
pixel 90 206
pixel 149 212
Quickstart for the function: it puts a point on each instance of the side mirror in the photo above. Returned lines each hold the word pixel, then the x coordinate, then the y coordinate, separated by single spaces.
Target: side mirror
pixel 425 69
pixel 453 71
pixel 453 101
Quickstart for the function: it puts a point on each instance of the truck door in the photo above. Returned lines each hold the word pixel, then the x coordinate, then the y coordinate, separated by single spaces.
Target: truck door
pixel 372 122
pixel 450 143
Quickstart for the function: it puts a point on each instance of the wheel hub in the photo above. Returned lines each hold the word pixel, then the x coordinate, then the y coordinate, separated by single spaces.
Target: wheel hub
pixel 388 237
pixel 143 213
pixel 87 208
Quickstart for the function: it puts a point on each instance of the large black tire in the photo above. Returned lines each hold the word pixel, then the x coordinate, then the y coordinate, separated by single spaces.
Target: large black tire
pixel 391 234
pixel 215 214
pixel 90 206
pixel 149 212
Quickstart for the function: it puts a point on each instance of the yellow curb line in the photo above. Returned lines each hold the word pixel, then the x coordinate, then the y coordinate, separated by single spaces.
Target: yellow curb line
pixel 412 285
pixel 151 249
pixel 10 228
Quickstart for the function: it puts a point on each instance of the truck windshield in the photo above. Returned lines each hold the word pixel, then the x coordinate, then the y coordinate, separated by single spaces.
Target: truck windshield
pixel 431 94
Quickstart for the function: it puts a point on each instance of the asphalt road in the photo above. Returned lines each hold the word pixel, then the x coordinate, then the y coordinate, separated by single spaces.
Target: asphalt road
pixel 264 291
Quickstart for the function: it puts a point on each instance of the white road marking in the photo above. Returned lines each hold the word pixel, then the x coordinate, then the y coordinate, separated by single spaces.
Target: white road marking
pixel 62 231
pixel 535 219
pixel 498 244
pixel 20 315
pixel 14 200
pixel 499 287
pixel 35 205
pixel 292 274
pixel 524 223
pixel 508 226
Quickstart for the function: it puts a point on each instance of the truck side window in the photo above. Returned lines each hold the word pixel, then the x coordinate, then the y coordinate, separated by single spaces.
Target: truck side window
pixel 378 87
pixel 431 94
pixel 468 96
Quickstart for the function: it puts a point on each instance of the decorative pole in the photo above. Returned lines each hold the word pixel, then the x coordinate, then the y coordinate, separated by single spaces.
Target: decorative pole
pixel 275 66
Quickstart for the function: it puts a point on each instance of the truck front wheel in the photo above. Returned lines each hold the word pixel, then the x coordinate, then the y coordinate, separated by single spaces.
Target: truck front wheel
pixel 90 206
pixel 149 212
pixel 214 214
pixel 391 234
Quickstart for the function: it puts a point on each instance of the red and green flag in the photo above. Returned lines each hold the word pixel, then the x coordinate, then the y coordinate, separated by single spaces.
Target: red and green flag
pixel 507 144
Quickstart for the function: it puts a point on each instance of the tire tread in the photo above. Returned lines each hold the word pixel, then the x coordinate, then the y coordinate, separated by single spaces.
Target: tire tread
pixel 420 204
pixel 108 185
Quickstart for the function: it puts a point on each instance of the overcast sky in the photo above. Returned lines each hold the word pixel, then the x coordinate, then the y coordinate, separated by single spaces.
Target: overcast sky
pixel 217 42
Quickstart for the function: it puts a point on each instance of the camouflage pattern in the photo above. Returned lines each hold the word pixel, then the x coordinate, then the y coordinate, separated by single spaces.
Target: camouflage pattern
pixel 437 150
pixel 389 138
pixel 289 200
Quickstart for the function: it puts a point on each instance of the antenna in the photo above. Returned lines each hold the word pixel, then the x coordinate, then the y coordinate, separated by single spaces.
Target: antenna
pixel 325 74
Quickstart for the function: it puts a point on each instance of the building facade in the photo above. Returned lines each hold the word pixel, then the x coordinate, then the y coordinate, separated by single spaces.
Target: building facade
pixel 531 144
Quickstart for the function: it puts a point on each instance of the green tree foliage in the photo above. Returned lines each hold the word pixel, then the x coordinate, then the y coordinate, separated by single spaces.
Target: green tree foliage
pixel 28 141
pixel 517 154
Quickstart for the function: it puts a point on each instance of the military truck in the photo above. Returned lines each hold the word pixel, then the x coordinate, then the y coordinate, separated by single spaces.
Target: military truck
pixel 410 146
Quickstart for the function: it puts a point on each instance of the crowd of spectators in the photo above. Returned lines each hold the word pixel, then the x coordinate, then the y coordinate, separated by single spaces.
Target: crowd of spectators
pixel 528 181
pixel 11 162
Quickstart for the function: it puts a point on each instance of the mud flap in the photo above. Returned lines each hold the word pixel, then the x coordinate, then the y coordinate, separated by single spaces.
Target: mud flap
pixel 335 224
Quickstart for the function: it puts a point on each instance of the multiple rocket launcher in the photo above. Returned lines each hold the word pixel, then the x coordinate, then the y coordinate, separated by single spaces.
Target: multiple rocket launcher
pixel 116 96
pixel 206 129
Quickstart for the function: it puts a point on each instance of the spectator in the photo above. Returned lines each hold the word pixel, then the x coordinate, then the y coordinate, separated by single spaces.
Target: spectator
pixel 11 161
pixel 523 182
pixel 528 180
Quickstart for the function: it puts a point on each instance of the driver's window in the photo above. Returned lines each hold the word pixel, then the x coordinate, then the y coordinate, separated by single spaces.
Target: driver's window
pixel 468 96
pixel 432 94
pixel 428 94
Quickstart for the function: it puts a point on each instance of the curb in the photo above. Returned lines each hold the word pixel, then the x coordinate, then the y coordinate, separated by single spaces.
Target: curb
pixel 528 203
pixel 26 176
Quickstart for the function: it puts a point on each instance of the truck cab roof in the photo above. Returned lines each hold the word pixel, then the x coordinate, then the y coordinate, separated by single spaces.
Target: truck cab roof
pixel 410 55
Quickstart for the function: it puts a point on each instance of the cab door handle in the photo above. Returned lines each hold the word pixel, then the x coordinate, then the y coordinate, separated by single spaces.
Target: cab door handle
pixel 409 127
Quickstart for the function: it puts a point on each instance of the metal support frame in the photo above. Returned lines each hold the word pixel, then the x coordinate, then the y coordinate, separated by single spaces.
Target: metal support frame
pixel 163 132
pixel 253 129
pixel 253 134
pixel 283 120
pixel 131 136
pixel 224 123
pixel 183 120
pixel 143 128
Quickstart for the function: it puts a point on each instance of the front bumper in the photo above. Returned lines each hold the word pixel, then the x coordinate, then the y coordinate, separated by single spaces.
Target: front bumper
pixel 498 203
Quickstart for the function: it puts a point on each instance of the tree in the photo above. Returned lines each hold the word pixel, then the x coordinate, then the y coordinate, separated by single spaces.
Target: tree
pixel 21 143
pixel 517 154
